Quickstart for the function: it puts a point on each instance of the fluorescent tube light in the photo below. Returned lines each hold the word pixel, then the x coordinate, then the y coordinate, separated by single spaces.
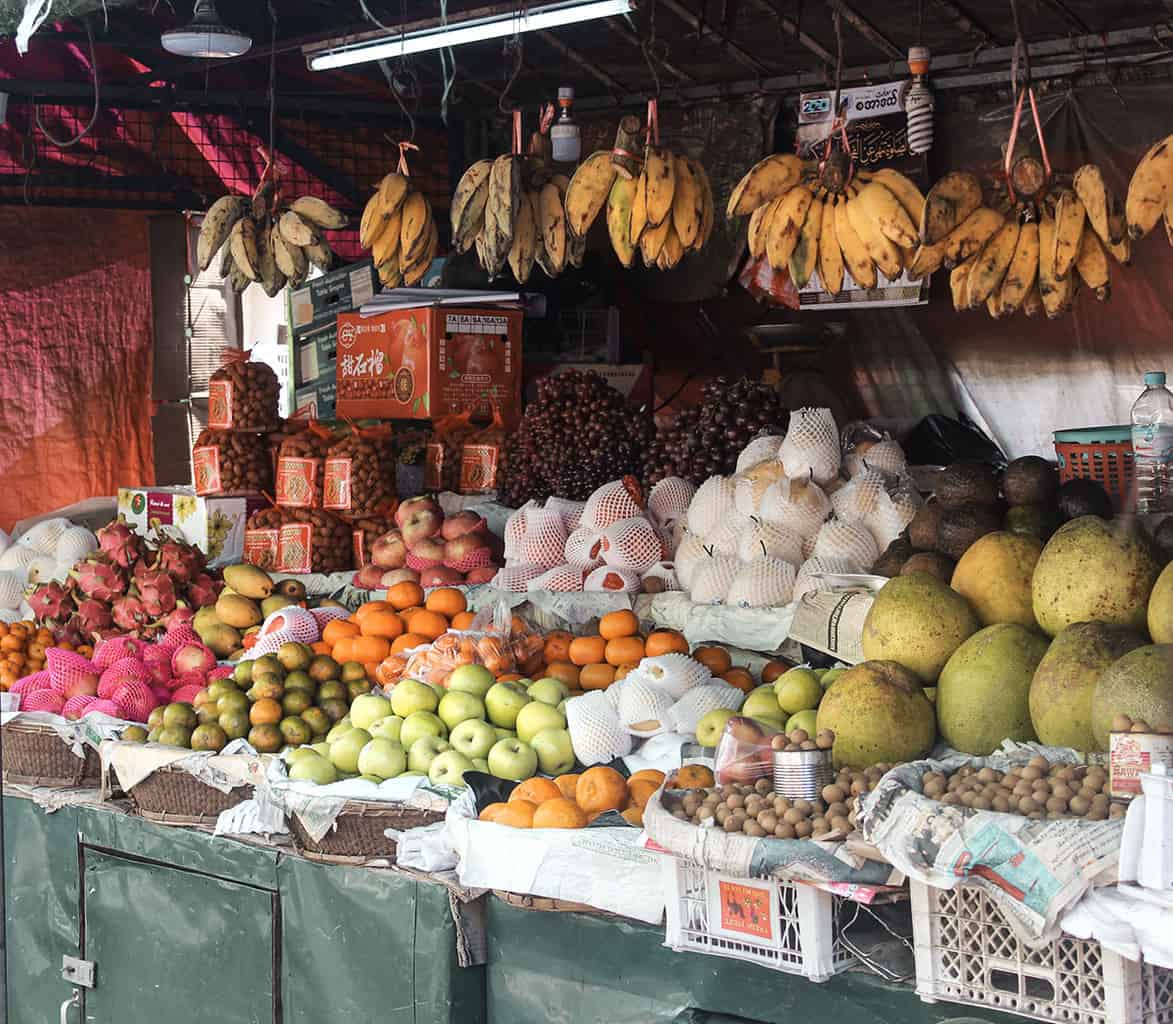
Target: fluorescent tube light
pixel 471 31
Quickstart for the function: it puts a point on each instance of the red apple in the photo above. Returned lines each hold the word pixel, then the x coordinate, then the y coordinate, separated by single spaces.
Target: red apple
pixel 369 577
pixel 413 505
pixel 440 576
pixel 83 686
pixel 399 576
pixel 483 575
pixel 430 549
pixel 460 524
pixel 420 524
pixel 460 548
pixel 389 551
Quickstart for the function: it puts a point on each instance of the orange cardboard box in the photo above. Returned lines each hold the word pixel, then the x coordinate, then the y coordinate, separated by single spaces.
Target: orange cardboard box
pixel 428 362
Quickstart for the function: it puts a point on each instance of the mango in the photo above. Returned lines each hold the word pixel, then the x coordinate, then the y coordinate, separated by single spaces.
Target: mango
pixel 248 581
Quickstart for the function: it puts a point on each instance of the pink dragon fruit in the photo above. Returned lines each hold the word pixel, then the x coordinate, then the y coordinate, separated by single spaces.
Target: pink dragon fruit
pixel 135 701
pixel 102 707
pixel 120 544
pixel 75 707
pixel 193 658
pixel 50 603
pixel 202 591
pixel 157 659
pixel 99 578
pixel 157 593
pixel 113 648
pixel 129 613
pixel 184 562
pixel 185 694
pixel 93 617
pixel 43 700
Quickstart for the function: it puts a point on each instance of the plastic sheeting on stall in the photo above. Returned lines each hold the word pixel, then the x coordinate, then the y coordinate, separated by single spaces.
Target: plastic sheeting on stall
pixel 1020 379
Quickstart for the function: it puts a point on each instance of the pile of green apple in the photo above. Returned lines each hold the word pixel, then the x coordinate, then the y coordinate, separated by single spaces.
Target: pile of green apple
pixel 789 703
pixel 513 730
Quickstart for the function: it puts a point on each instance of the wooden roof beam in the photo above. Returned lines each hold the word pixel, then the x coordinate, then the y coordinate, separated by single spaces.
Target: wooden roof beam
pixel 625 31
pixel 791 28
pixel 866 29
pixel 572 55
pixel 742 56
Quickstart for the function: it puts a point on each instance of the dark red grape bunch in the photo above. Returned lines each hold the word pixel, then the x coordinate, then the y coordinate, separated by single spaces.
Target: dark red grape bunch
pixel 706 440
pixel 577 436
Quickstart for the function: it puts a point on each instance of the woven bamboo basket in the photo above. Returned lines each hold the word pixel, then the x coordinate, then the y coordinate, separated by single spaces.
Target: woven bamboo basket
pixel 34 755
pixel 171 796
pixel 357 835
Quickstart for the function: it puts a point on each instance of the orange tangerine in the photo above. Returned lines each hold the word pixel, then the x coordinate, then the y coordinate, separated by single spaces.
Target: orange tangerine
pixel 492 812
pixel 382 623
pixel 596 677
pixel 517 814
pixel 404 595
pixel 447 601
pixel 665 641
pixel 429 624
pixel 567 784
pixel 406 641
pixel 624 650
pixel 565 671
pixel 536 790
pixel 715 659
pixel 557 646
pixel 601 789
pixel 618 624
pixel 559 813
pixel 588 650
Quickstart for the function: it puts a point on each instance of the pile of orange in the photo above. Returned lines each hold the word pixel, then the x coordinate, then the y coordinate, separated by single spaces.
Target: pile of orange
pixel 718 661
pixel 22 650
pixel 574 801
pixel 595 662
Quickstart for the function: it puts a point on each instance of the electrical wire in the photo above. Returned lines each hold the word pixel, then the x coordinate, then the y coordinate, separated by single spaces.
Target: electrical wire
pixel 66 143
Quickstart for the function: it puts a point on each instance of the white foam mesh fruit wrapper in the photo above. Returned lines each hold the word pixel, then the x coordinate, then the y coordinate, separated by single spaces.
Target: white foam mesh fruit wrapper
pixel 763 583
pixel 612 692
pixel 850 542
pixel 762 538
pixel 860 496
pixel 643 707
pixel 749 488
pixel 797 505
pixel 516 578
pixel 884 457
pixel 674 673
pixel 608 504
pixel 74 544
pixel 611 578
pixel 632 544
pixel 713 502
pixel 666 572
pixel 562 579
pixel 584 547
pixel 570 512
pixel 760 449
pixel 726 538
pixel 42 537
pixel 544 539
pixel 893 512
pixel 811 445
pixel 595 732
pixel 669 500
pixel 11 590
pixel 515 530
pixel 689 553
pixel 711 583
pixel 17 559
pixel 269 644
pixel 298 621
pixel 808 580
pixel 687 712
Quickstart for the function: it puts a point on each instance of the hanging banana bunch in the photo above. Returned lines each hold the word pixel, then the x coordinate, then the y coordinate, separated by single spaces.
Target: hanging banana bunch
pixel 1150 192
pixel 398 229
pixel 262 241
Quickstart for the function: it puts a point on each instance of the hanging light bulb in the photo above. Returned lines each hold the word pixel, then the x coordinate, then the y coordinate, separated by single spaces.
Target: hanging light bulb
pixel 918 102
pixel 206 35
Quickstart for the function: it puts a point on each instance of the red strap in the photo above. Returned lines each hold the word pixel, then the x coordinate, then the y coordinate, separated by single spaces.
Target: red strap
pixel 653 134
pixel 547 119
pixel 1010 143
pixel 516 132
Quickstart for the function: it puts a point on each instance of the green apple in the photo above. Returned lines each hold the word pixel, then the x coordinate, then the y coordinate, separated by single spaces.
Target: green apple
pixel 343 725
pixel 382 758
pixel 410 696
pixel 368 709
pixel 320 748
pixel 931 694
pixel 481 764
pixel 421 723
pixel 798 690
pixel 424 751
pixel 804 720
pixel 503 702
pixel 775 722
pixel 549 691
pixel 387 727
pixel 554 750
pixel 535 717
pixel 313 768
pixel 448 768
pixel 830 676
pixel 416 775
pixel 512 759
pixel 344 752
pixel 820 672
pixel 761 701
pixel 474 679
pixel 295 754
pixel 709 728
pixel 505 734
pixel 473 738
pixel 456 707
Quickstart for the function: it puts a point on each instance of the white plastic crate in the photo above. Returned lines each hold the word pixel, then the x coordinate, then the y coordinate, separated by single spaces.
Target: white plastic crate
pixel 966 952
pixel 783 925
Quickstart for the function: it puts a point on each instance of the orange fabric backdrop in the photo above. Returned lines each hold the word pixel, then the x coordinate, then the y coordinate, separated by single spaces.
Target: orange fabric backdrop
pixel 75 357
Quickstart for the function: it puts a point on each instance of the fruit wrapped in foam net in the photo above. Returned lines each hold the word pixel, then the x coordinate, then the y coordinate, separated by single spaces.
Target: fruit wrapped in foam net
pixel 544 539
pixel 517 578
pixel 809 581
pixel 884 456
pixel 762 538
pixel 710 584
pixel 850 542
pixel 687 559
pixel 760 449
pixel 514 531
pixel 643 707
pixel 893 512
pixel 811 445
pixel 612 578
pixel 712 504
pixel 749 488
pixel 763 583
pixel 562 579
pixel 570 512
pixel 618 499
pixel 726 538
pixel 632 544
pixel 669 500
pixel 584 547
pixel 665 573
pixel 67 668
pixel 799 505
pixel 675 673
pixel 686 713
pixel 595 732
pixel 860 496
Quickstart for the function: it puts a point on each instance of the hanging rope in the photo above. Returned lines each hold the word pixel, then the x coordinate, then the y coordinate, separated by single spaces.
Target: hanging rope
pixel 647 47
pixel 272 83
pixel 66 143
pixel 837 22
pixel 511 50
pixel 447 65
pixel 1022 57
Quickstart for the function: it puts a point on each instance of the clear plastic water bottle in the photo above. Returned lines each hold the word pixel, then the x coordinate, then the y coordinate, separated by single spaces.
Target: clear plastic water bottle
pixel 1152 445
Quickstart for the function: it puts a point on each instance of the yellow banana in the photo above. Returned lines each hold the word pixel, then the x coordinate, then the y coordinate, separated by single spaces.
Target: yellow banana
pixel 296 230
pixel 291 259
pixel 993 261
pixel 243 241
pixel 374 220
pixel 855 256
pixel 320 255
pixel 521 252
pixel 413 227
pixel 1023 271
pixel 1148 192
pixel 1093 193
pixel 552 223
pixel 661 177
pixel 709 211
pixel 1069 221
pixel 830 255
pixel 1054 291
pixel 588 191
pixel 959 285
pixel 1092 264
pixel 970 235
pixel 652 241
pixel 688 208
pixel 467 213
pixel 994 305
pixel 949 202
pixel 501 206
pixel 218 223
pixel 386 247
pixel 926 259
pixel 904 190
pixel 271 280
pixel 880 249
pixel 785 225
pixel 392 191
pixel 639 209
pixel 1032 305
pixel 619 205
pixel 672 251
pixel 885 210
pixel 390 276
pixel 575 250
pixel 805 254
pixel 319 213
pixel 766 181
pixel 759 226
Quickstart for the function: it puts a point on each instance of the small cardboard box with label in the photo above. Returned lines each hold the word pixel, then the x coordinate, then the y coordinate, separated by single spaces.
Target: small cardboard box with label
pixel 214 525
pixel 429 361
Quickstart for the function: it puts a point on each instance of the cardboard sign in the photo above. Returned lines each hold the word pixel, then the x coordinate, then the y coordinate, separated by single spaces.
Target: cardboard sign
pixel 205 469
